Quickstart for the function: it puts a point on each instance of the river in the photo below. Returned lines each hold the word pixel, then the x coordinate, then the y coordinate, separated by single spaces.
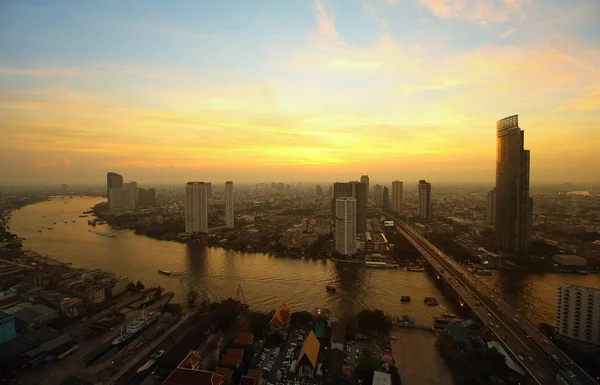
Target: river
pixel 267 281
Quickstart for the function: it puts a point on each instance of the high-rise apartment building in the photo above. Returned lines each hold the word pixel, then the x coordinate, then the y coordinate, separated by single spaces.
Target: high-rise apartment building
pixel 578 315
pixel 424 208
pixel 229 217
pixel 209 189
pixel 196 207
pixel 360 193
pixel 490 215
pixel 357 191
pixel 364 179
pixel 386 197
pixel 113 181
pixel 345 225
pixel 131 195
pixel 146 197
pixel 2 197
pixel 319 191
pixel 63 188
pixel 513 208
pixel 378 195
pixel 397 195
pixel 123 198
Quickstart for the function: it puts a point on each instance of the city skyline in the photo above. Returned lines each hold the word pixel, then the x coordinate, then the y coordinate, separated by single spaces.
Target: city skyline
pixel 322 90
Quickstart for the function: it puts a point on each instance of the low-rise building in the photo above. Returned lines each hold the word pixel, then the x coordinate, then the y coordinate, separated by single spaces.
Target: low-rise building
pixel 8 330
pixel 188 372
pixel 280 322
pixel 36 315
pixel 380 378
pixel 72 307
pixel 307 359
pixel 569 260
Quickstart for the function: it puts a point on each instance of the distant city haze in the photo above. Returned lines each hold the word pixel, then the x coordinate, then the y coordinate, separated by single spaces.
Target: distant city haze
pixel 317 91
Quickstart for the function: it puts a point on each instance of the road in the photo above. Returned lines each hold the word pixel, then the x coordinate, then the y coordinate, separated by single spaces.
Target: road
pixel 542 359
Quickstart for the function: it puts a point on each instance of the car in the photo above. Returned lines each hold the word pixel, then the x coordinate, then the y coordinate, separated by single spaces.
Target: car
pixel 540 375
pixel 545 341
pixel 521 356
pixel 490 315
pixel 531 359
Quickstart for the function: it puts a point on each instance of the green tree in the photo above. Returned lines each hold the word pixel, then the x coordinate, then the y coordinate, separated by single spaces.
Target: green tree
pixel 301 318
pixel 366 366
pixel 396 380
pixel 139 286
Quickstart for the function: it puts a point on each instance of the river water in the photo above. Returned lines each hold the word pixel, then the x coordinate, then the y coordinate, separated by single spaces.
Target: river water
pixel 267 281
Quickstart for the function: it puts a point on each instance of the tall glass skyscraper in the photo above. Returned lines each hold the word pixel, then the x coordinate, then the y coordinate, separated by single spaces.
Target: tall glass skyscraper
pixel 113 181
pixel 512 219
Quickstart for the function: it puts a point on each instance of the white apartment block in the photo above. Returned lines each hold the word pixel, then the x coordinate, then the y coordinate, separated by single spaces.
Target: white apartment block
pixel 196 207
pixel 578 315
pixel 345 226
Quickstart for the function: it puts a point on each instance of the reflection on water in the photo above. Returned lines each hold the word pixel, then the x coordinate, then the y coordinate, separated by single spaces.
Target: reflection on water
pixel 267 281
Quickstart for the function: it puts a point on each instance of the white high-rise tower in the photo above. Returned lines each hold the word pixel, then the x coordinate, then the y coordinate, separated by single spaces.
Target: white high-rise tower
pixel 229 204
pixel 345 225
pixel 196 207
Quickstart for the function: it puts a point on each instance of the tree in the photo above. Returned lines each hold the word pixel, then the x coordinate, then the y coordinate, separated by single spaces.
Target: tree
pixel 301 318
pixel 259 324
pixel 139 286
pixel 366 366
pixel 130 286
pixel 396 380
pixel 374 319
pixel 226 318
pixel 191 296
pixel 547 330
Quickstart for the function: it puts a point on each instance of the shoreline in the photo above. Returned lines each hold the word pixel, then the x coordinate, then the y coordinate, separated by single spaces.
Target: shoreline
pixel 269 253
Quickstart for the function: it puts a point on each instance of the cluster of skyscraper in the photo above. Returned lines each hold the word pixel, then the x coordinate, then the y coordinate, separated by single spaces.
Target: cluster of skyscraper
pixel 349 208
pixel 509 206
pixel 197 195
pixel 126 195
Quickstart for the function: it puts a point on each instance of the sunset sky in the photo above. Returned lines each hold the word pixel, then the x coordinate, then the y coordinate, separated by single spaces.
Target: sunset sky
pixel 171 91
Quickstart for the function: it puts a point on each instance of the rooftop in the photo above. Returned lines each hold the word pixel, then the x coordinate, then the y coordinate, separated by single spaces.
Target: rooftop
pixel 181 376
pixel 310 351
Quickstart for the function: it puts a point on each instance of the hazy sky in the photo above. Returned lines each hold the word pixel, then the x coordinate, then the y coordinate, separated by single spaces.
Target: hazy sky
pixel 170 91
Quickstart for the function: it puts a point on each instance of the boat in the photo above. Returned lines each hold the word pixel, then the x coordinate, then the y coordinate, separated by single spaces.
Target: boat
pixel 54 222
pixel 164 272
pixel 157 355
pixel 123 337
pixel 416 268
pixel 135 327
pixel 357 261
pixel 431 301
pixel 146 366
pixel 106 234
pixel 49 228
pixel 73 221
pixel 83 216
pixel 330 289
pixel 66 222
pixel 483 272
pixel 381 265
pixel 405 298
pixel 40 231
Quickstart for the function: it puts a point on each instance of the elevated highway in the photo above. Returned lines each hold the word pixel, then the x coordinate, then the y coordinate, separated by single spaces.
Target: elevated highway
pixel 540 357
